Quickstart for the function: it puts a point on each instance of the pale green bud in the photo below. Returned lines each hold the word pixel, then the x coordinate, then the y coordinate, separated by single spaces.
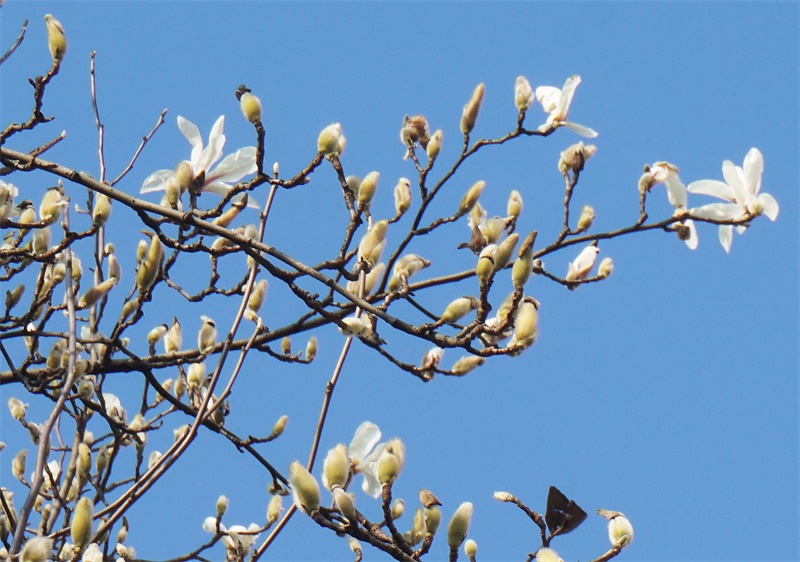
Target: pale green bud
pixel 467 364
pixel 97 292
pixel 286 345
pixel 523 93
pixel 180 387
pixel 505 250
pixel 470 549
pixel 101 462
pixel 388 468
pixel 433 518
pixel 417 532
pixel 470 114
pixel 305 489
pixel 331 141
pixel 81 527
pixel 545 554
pixel 257 295
pixel 84 459
pixel 279 427
pixel 526 324
pixel 184 175
pixel 485 266
pixel 37 549
pixel 586 219
pixel 353 184
pixel 398 508
pixel 371 245
pixel 102 209
pixel 167 386
pixel 459 308
pixel 311 348
pixel 435 144
pixel 17 408
pixel 274 509
pixel 41 240
pixel 19 464
pixel 195 374
pixel 458 527
pixel 222 506
pixel 402 196
pixel 503 497
pixel 52 204
pixel 249 104
pixel 605 268
pixel 470 198
pixel 207 336
pixel 180 432
pixel 173 338
pixel 336 468
pixel 369 185
pixel 57 43
pixel 620 531
pixel 360 326
pixel 344 502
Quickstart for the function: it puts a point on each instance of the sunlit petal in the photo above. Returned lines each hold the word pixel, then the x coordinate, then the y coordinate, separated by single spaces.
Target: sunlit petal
pixel 714 188
pixel 769 206
pixel 157 181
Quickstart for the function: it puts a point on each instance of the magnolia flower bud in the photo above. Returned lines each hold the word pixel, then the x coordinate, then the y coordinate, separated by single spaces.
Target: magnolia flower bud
pixel 388 468
pixel 274 509
pixel 355 546
pixel 417 532
pixel 459 308
pixel 485 266
pixel 371 245
pixel 38 549
pixel 367 189
pixel 155 335
pixel 547 555
pixel 249 104
pixel 279 427
pixel 154 457
pixel 402 196
pixel 470 114
pixel 102 209
pixel 470 549
pixel 526 324
pixel 514 206
pixel 523 93
pixel 620 530
pixel 470 198
pixel 336 468
pixel 180 387
pixel 222 506
pixel 101 462
pixel 505 250
pixel 458 527
pixel 406 266
pixel 467 364
pixel 398 508
pixel 305 489
pixel 286 345
pixel 207 336
pixel 586 218
pixel 173 338
pixel 41 240
pixel 575 156
pixel 257 295
pixel 605 268
pixel 150 264
pixel 81 527
pixel 311 348
pixel 415 130
pixel 17 408
pixel 344 502
pixel 356 326
pixel 56 40
pixel 97 292
pixel 195 374
pixel 331 141
pixel 435 145
pixel 433 518
pixel 503 496
pixel 19 464
pixel 84 464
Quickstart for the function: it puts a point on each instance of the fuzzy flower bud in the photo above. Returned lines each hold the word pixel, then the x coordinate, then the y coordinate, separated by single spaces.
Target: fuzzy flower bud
pixel 102 209
pixel 389 467
pixel 286 345
pixel 369 185
pixel 547 555
pixel 249 104
pixel 470 114
pixel 606 268
pixel 467 364
pixel 37 549
pixel 19 464
pixel 459 308
pixel 470 198
pixel 402 196
pixel 279 427
pixel 17 408
pixel 485 266
pixel 372 243
pixel 435 145
pixel 523 93
pixel 433 518
pixel 575 157
pixel 222 506
pixel 458 527
pixel 81 528
pixel 344 502
pixel 505 250
pixel 311 348
pixel 336 468
pixel 586 219
pixel 503 496
pixel 620 531
pixel 398 508
pixel 274 509
pixel 331 141
pixel 514 205
pixel 56 40
pixel 257 295
pixel 471 549
pixel 305 489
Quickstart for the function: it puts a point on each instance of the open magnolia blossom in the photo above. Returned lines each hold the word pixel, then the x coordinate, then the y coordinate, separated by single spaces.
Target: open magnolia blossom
pixel 238 538
pixel 741 188
pixel 364 455
pixel 203 178
pixel 666 173
pixel 556 102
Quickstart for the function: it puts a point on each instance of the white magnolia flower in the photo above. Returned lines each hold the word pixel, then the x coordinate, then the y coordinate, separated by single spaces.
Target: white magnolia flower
pixel 556 102
pixel 217 180
pixel 666 173
pixel 741 188
pixel 233 538
pixel 364 455
pixel 583 264
pixel 114 407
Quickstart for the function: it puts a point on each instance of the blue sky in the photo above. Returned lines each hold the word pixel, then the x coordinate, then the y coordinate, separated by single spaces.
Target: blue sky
pixel 668 392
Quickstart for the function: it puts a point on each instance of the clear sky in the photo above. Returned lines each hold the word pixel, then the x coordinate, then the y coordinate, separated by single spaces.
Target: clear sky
pixel 668 392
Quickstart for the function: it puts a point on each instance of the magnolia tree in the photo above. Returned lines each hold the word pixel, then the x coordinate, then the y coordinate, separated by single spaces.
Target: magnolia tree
pixel 63 338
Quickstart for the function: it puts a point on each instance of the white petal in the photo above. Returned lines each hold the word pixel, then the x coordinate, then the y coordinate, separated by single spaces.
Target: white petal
pixel 583 131
pixel 216 130
pixel 692 241
pixel 234 166
pixel 209 154
pixel 753 167
pixel 371 485
pixel 769 205
pixel 676 191
pixel 365 438
pixel 734 178
pixel 726 236
pixel 717 211
pixel 714 188
pixel 192 134
pixel 157 181
pixel 210 525
pixel 548 96
pixel 566 95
